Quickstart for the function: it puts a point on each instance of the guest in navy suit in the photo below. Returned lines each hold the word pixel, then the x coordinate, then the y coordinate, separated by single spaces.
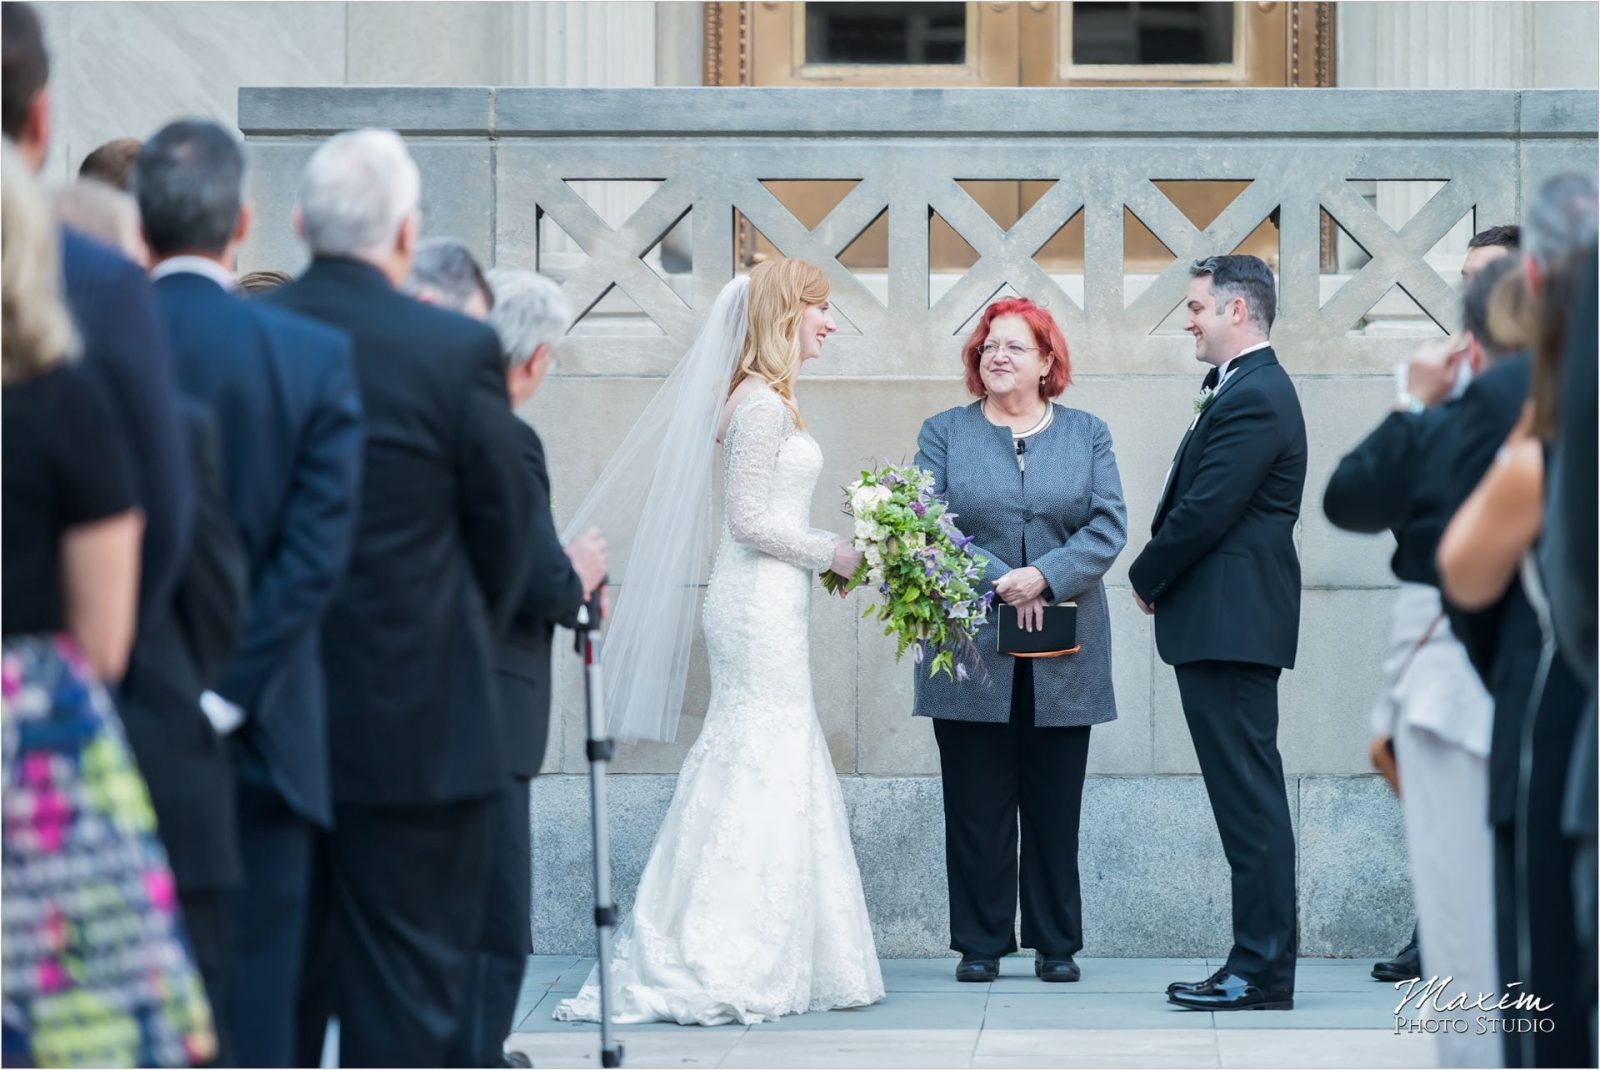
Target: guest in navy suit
pixel 284 393
pixel 123 344
pixel 436 573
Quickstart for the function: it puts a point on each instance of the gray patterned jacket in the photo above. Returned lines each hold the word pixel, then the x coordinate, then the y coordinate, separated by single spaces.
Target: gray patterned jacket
pixel 1069 507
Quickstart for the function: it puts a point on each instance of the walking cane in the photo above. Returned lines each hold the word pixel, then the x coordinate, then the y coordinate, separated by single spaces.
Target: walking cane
pixel 600 750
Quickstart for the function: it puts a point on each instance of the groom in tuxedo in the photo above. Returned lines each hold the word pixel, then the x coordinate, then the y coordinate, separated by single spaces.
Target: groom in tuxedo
pixel 1221 577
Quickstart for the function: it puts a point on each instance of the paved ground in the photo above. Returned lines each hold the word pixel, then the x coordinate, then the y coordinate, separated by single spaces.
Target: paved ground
pixel 1117 1016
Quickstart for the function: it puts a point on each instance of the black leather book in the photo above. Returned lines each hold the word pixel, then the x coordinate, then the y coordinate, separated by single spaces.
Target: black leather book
pixel 1059 635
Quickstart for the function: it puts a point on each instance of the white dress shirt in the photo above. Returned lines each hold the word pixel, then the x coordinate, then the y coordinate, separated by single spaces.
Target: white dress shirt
pixel 194 265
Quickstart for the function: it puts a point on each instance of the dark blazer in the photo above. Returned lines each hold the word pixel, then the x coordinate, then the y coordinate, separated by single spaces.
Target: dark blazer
pixel 1383 485
pixel 123 344
pixel 177 656
pixel 1065 517
pixel 551 595
pixel 283 389
pixel 1220 567
pixel 441 546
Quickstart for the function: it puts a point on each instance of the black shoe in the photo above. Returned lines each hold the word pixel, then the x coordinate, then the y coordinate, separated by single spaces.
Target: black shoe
pixel 977 969
pixel 1055 968
pixel 1403 967
pixel 1231 992
pixel 514 1058
pixel 1197 986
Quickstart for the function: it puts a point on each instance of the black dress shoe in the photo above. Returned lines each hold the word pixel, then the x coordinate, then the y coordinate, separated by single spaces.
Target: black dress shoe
pixel 1055 968
pixel 514 1058
pixel 1404 966
pixel 978 970
pixel 1197 986
pixel 1230 992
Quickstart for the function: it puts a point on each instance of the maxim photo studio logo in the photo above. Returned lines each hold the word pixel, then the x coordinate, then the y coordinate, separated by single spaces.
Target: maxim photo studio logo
pixel 1436 1006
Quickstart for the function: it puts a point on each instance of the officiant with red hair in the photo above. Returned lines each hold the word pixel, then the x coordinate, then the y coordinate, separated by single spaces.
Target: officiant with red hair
pixel 1034 484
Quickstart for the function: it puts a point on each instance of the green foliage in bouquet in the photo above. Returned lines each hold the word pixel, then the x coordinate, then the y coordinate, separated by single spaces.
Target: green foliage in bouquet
pixel 921 564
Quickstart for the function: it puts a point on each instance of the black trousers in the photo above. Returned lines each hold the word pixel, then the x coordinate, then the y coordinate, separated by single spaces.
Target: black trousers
pixel 1232 710
pixel 505 943
pixel 1537 932
pixel 397 913
pixel 990 772
pixel 269 925
pixel 208 922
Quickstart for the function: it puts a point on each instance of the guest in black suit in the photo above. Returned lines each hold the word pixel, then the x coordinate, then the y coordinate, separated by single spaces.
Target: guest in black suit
pixel 123 344
pixel 1498 608
pixel 529 314
pixel 184 761
pixel 440 556
pixel 1221 576
pixel 284 390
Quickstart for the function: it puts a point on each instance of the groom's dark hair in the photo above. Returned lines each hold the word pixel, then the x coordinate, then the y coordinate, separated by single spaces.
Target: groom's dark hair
pixel 1242 276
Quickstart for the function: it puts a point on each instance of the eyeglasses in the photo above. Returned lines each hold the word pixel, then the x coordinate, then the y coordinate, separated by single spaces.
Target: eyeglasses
pixel 1011 349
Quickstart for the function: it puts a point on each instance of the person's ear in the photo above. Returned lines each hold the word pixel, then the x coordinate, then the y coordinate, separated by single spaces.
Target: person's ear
pixel 241 225
pixel 410 232
pixel 297 219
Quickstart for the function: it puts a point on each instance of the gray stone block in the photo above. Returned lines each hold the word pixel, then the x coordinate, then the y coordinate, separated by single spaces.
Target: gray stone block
pixel 1355 881
pixel 1172 748
pixel 1324 703
pixel 455 201
pixel 1557 111
pixel 563 885
pixel 288 110
pixel 1339 413
pixel 897 825
pixel 1126 745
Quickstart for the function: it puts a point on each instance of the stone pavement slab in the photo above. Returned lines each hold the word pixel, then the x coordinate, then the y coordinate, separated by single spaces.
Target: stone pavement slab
pixel 1117 1016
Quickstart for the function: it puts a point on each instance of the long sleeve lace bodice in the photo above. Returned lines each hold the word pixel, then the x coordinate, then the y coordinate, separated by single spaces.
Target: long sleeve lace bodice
pixel 767 485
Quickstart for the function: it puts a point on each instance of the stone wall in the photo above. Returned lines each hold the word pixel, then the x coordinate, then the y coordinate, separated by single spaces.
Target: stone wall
pixel 495 161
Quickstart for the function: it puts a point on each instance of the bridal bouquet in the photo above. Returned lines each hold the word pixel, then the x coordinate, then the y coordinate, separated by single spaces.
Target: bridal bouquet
pixel 921 564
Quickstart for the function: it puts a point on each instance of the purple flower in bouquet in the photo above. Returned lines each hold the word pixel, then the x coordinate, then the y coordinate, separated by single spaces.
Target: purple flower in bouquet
pixel 919 509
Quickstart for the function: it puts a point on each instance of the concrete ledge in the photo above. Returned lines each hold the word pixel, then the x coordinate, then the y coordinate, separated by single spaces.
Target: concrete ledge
pixel 1154 881
pixel 916 113
pixel 283 111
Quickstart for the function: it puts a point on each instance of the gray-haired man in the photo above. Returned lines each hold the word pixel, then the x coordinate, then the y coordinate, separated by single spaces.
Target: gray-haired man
pixel 529 314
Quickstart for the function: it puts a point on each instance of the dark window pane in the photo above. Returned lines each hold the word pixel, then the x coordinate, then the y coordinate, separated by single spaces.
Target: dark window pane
pixel 1152 33
pixel 886 33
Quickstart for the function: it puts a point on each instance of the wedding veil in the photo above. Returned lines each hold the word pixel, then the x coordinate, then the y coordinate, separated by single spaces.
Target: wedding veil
pixel 652 503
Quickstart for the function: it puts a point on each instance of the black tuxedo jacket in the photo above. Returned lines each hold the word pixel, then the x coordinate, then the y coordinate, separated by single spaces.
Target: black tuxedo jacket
pixel 284 392
pixel 441 546
pixel 1220 567
pixel 180 651
pixel 550 596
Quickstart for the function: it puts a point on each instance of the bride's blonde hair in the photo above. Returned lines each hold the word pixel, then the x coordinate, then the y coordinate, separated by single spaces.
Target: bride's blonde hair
pixel 780 290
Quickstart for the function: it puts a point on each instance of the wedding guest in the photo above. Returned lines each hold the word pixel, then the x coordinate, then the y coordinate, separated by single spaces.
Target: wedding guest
pixel 1222 578
pixel 112 163
pixel 1432 722
pixel 447 274
pixel 1035 485
pixel 260 282
pixel 107 215
pixel 1497 607
pixel 114 312
pixel 408 643
pixel 1489 245
pixel 76 815
pixel 530 315
pixel 290 422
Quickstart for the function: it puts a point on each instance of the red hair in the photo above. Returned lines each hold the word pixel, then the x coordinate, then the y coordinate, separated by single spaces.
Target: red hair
pixel 1046 335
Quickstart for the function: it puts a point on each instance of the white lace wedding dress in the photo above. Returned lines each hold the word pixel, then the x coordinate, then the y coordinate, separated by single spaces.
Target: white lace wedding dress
pixel 750 906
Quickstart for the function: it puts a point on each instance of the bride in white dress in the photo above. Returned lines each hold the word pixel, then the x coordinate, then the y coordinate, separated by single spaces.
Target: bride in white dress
pixel 750 906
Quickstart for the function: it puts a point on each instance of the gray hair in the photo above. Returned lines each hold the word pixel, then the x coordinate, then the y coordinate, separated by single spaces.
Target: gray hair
pixel 447 268
pixel 529 311
pixel 357 190
pixel 1561 219
pixel 1246 277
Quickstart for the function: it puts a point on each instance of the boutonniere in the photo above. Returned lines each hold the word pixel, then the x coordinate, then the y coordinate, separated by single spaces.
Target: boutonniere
pixel 1202 401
